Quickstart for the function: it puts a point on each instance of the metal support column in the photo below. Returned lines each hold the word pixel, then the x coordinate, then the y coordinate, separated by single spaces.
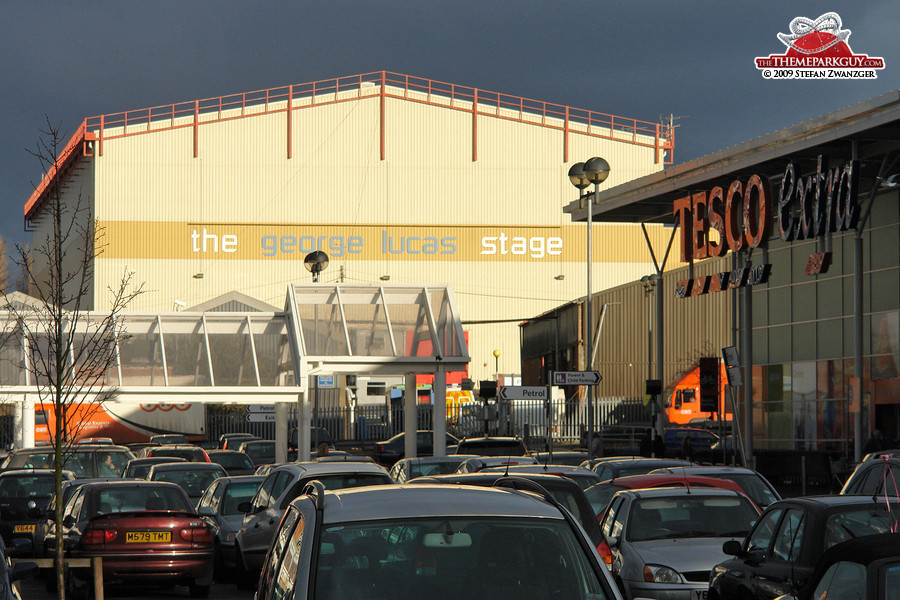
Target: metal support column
pixel 410 416
pixel 439 416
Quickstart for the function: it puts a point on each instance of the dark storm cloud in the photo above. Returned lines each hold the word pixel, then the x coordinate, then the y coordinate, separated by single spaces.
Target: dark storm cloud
pixel 691 59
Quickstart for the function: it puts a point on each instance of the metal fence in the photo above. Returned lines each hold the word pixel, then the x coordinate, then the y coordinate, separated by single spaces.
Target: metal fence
pixel 561 420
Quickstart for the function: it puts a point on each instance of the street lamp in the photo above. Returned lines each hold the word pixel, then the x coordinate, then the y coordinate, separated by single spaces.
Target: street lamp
pixel 497 365
pixel 595 170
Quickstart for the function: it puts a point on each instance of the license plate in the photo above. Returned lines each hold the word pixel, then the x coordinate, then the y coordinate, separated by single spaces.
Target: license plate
pixel 700 594
pixel 148 537
pixel 23 529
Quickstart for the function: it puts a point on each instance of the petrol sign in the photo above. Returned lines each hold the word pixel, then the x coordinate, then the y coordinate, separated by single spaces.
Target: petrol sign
pixel 524 392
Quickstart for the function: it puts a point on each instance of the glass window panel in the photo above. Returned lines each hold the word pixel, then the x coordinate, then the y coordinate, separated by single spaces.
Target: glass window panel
pixel 803 404
pixel 779 306
pixel 804 341
pixel 273 351
pixel 321 322
pixel 885 345
pixel 185 352
pixel 367 322
pixel 230 351
pixel 828 304
pixel 12 367
pixel 829 338
pixel 140 353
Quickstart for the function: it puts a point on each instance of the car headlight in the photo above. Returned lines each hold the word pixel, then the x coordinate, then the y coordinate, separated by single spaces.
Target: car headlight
pixel 660 574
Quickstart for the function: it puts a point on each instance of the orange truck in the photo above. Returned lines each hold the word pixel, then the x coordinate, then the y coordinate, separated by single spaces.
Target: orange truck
pixel 124 423
pixel 683 405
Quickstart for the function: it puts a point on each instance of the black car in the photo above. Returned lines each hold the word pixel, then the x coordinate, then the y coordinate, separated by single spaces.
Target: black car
pixel 866 567
pixel 260 452
pixel 781 551
pixel 188 452
pixel 236 463
pixel 84 460
pixel 230 441
pixel 139 467
pixel 492 446
pixel 193 477
pixel 880 475
pixel 563 490
pixel 24 495
pixel 169 438
pixel 391 450
pixel 620 467
pixel 12 573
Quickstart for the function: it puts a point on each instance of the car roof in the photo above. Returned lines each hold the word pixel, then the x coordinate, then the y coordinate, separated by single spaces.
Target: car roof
pixel 241 479
pixel 668 492
pixel 862 550
pixel 330 467
pixel 121 482
pixel 546 479
pixel 703 469
pixel 431 500
pixel 156 460
pixel 75 448
pixel 438 459
pixel 548 469
pixel 187 466
pixel 836 501
pixel 176 447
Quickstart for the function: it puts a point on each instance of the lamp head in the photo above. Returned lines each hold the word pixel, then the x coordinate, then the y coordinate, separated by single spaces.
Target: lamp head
pixel 577 176
pixel 596 170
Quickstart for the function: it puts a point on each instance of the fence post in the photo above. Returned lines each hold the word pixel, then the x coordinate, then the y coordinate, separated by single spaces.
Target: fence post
pixel 97 564
pixel 803 475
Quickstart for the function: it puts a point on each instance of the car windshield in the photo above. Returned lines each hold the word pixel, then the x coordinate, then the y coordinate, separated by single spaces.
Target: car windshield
pixel 235 494
pixel 600 494
pixel 192 482
pixel 350 480
pixel 454 558
pixel 422 470
pixel 187 454
pixel 232 461
pixel 26 486
pixel 689 517
pixel 260 450
pixel 856 522
pixel 753 486
pixel 127 499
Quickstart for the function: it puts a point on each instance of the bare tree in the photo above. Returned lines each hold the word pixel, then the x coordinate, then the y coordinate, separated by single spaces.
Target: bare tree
pixel 70 349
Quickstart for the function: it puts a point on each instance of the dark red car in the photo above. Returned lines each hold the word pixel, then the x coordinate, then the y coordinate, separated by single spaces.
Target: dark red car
pixel 147 533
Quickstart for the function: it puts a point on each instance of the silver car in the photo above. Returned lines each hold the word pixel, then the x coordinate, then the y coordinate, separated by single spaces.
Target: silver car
pixel 219 507
pixel 431 542
pixel 663 542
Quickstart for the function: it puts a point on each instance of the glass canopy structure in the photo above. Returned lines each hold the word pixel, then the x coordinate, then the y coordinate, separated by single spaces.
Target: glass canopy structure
pixel 252 357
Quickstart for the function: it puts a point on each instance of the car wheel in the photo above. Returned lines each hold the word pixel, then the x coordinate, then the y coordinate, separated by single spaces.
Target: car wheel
pixel 199 591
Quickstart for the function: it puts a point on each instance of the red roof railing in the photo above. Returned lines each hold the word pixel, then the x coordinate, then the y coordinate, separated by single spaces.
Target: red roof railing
pixel 379 84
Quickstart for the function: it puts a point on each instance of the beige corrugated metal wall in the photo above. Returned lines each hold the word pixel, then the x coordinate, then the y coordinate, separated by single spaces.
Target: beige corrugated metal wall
pixel 244 198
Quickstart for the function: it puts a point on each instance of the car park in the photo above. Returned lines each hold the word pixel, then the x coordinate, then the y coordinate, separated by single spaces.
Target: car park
pixel 621 467
pixel 752 482
pixel 862 568
pixel 390 451
pixel 431 541
pixel 601 493
pixel 24 495
pixel 188 452
pixel 146 533
pixel 264 511
pixel 261 452
pixel 662 543
pixel 234 462
pixel 84 460
pixel 875 476
pixel 139 467
pixel 193 478
pixel 219 507
pixel 473 465
pixel 779 555
pixel 565 491
pixel 410 468
pixel 492 446
pixel 585 478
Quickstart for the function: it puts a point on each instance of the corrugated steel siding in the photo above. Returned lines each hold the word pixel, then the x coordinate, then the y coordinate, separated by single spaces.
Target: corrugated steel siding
pixel 243 182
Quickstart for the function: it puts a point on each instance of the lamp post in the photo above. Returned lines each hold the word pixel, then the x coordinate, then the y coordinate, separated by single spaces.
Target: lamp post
pixel 497 365
pixel 595 170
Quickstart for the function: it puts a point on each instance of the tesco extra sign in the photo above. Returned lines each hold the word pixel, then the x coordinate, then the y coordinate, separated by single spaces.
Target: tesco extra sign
pixel 742 213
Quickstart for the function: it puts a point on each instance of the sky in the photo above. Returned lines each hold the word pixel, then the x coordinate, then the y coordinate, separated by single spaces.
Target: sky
pixel 641 59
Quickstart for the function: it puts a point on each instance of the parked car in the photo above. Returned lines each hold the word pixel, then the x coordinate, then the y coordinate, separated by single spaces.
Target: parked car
pixel 96 440
pixel 11 573
pixel 565 491
pixel 188 452
pixel 881 476
pixel 473 465
pixel 24 495
pixel 147 533
pixel 390 451
pixel 661 543
pixel 562 457
pixel 234 462
pixel 230 441
pixel 317 435
pixel 778 556
pixel 261 452
pixel 492 446
pixel 86 460
pixel 139 467
pixel 701 440
pixel 219 507
pixel 192 477
pixel 621 467
pixel 410 468
pixel 601 493
pixel 167 439
pixel 752 482
pixel 862 568
pixel 430 541
pixel 264 511
pixel 584 478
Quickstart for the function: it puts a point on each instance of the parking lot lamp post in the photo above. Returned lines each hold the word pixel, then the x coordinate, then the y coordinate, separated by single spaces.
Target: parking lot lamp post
pixel 595 170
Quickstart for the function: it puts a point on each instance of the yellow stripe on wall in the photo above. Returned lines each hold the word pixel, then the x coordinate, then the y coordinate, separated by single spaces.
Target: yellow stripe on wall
pixel 236 241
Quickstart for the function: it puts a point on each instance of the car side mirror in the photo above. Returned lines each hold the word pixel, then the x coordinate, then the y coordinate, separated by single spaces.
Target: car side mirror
pixel 69 521
pixel 22 570
pixel 206 511
pixel 732 548
pixel 244 507
pixel 612 542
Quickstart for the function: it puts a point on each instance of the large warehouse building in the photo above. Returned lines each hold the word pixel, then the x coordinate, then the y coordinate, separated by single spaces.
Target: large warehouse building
pixel 396 178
